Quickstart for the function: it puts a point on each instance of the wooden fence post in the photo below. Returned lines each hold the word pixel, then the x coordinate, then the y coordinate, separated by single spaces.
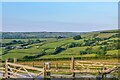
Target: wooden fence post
pixel 104 75
pixel 15 60
pixel 6 68
pixel 56 66
pixel 33 65
pixel 72 66
pixel 103 69
pixel 46 67
pixel 44 70
pixel 3 73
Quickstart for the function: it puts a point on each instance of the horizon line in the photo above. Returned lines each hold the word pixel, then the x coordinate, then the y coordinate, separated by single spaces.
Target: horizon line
pixel 64 31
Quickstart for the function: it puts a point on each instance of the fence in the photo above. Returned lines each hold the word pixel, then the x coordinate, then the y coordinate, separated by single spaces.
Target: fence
pixel 15 70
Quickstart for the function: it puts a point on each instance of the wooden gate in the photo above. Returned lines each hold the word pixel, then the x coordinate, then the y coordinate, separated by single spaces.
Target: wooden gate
pixel 14 70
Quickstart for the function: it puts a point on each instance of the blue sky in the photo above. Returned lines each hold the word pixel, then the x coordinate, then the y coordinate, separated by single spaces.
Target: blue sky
pixel 59 16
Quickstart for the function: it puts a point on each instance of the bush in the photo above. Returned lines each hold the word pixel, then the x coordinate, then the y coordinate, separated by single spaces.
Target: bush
pixel 101 52
pixel 77 37
pixel 70 45
pixel 89 43
pixel 58 50
pixel 36 56
pixel 83 52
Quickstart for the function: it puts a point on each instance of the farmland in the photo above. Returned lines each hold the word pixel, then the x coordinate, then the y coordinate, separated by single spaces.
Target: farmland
pixel 100 44
pixel 91 51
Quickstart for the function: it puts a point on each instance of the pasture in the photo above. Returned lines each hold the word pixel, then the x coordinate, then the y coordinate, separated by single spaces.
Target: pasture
pixel 92 45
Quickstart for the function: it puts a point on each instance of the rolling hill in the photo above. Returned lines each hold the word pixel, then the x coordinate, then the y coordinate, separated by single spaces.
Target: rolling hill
pixel 100 44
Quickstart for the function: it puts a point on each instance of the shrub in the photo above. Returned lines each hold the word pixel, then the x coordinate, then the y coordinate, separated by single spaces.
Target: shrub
pixel 77 37
pixel 83 52
pixel 101 52
pixel 58 49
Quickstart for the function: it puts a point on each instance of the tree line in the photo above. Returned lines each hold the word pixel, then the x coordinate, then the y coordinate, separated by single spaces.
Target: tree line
pixel 28 35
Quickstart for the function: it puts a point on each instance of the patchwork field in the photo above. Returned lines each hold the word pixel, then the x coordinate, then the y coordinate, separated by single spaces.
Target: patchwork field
pixel 91 45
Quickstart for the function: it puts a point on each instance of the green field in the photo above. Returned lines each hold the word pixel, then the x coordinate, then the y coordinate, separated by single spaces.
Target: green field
pixel 92 45
pixel 9 40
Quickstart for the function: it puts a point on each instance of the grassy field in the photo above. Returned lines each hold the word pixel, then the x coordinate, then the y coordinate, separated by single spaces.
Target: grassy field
pixel 67 62
pixel 50 44
pixel 105 35
pixel 113 53
pixel 9 40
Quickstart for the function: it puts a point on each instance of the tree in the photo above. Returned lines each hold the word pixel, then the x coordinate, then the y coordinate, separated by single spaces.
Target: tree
pixel 70 45
pixel 59 37
pixel 20 42
pixel 83 52
pixel 103 48
pixel 101 52
pixel 98 39
pixel 88 50
pixel 77 37
pixel 30 41
pixel 37 41
pixel 89 43
pixel 13 41
pixel 58 49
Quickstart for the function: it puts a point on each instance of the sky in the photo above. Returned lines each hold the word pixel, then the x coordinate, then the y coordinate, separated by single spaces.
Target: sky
pixel 59 16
